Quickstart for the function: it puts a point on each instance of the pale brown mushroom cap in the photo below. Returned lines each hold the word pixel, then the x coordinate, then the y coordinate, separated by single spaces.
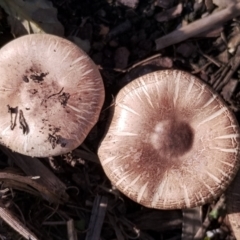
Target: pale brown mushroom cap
pixel 233 206
pixel 172 142
pixel 51 94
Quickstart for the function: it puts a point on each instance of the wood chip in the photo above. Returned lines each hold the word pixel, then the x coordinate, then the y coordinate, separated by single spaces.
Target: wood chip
pixel 169 14
pixel 129 3
pixel 199 26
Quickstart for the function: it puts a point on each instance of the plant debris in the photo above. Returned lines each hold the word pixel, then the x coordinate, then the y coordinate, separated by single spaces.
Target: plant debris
pixel 38 16
pixel 69 196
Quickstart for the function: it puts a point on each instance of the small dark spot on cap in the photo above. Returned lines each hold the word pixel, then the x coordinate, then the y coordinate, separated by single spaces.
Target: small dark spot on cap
pixel 38 77
pixel 25 79
pixel 57 129
pixel 33 91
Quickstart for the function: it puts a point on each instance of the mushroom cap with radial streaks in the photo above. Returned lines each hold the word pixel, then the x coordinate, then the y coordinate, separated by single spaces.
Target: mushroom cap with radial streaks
pixel 51 95
pixel 171 143
pixel 233 206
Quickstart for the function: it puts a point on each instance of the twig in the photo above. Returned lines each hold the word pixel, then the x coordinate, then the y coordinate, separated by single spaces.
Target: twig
pixel 234 64
pixel 222 76
pixel 198 70
pixel 199 26
pixel 34 167
pixel 97 218
pixel 211 59
pixel 59 223
pixel 118 233
pixel 28 184
pixel 202 231
pixel 14 222
pixel 72 234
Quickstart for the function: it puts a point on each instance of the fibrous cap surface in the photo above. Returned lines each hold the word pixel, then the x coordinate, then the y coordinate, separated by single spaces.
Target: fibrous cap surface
pixel 172 142
pixel 51 94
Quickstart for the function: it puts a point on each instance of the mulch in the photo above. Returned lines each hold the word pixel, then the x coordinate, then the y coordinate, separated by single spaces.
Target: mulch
pixel 121 41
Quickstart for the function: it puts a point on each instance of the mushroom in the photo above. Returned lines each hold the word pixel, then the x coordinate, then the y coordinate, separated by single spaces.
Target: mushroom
pixel 233 206
pixel 171 143
pixel 51 95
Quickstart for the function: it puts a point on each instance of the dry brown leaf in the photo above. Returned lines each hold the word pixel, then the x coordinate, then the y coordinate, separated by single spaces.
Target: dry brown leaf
pixel 32 16
pixel 34 167
pixel 29 185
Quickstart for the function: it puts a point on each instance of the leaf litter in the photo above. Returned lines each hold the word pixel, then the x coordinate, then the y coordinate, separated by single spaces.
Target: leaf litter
pixel 69 197
pixel 26 17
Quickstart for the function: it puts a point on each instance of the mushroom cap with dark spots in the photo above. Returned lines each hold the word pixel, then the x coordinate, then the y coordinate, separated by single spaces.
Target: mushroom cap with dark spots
pixel 51 94
pixel 172 142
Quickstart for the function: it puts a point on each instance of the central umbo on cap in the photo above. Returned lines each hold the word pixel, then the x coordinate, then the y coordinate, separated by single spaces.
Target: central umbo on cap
pixel 171 143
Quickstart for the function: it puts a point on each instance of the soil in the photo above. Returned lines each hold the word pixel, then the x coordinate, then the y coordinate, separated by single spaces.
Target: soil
pixel 120 36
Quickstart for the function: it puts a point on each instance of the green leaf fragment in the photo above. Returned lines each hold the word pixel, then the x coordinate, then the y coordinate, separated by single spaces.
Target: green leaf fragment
pixel 32 16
